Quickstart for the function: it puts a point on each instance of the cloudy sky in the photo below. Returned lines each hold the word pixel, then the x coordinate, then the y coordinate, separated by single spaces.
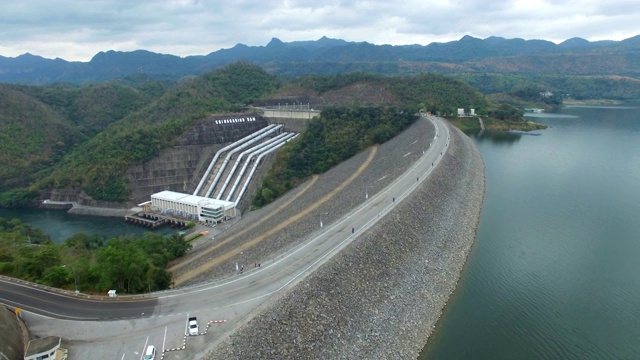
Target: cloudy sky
pixel 77 30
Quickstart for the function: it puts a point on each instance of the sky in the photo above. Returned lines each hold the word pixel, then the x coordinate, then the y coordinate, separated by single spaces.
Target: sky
pixel 76 30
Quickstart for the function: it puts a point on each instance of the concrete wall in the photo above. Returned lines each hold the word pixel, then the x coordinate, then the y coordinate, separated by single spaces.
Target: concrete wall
pixel 11 341
pixel 181 167
pixel 294 125
pixel 290 114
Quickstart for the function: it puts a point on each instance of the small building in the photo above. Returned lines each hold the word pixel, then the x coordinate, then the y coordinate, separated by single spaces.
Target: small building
pixel 44 348
pixel 462 113
pixel 196 208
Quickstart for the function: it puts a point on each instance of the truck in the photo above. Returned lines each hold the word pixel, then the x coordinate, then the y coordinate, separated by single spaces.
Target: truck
pixel 193 326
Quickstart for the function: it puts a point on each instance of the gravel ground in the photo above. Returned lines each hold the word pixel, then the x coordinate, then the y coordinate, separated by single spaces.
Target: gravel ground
pixel 381 296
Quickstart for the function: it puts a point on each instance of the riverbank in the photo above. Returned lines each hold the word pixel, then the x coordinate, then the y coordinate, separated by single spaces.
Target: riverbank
pixel 471 124
pixel 592 102
pixel 381 296
pixel 74 208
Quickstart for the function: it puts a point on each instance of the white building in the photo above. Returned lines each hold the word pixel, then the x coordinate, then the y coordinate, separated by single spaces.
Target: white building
pixel 196 208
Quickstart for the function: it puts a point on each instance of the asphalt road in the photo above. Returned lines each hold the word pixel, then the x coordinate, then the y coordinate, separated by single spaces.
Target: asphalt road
pixel 61 305
pixel 220 306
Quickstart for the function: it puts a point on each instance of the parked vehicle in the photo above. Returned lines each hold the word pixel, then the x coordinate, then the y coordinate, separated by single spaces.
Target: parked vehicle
pixel 150 353
pixel 193 326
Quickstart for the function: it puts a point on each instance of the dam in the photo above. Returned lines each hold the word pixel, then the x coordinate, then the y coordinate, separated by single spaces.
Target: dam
pixel 207 177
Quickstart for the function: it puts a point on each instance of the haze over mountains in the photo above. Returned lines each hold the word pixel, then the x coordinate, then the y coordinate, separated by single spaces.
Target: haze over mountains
pixel 574 56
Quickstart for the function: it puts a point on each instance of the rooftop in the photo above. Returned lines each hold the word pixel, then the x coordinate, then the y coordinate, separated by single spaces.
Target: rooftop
pixel 190 199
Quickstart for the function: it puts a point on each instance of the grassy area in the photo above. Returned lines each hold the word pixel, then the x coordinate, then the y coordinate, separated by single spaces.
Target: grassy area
pixel 521 125
pixel 593 102
pixel 467 124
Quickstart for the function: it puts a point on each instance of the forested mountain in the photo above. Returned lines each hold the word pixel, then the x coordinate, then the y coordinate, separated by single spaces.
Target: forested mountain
pixel 86 138
pixel 42 124
pixel 331 56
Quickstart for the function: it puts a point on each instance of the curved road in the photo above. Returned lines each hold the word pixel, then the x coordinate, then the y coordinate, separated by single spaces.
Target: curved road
pixel 227 304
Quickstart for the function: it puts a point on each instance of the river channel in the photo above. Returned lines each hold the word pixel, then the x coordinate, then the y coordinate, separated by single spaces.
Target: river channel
pixel 60 225
pixel 555 270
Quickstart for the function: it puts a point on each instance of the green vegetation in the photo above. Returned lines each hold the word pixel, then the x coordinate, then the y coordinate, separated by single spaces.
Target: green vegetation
pixel 565 86
pixel 65 136
pixel 340 132
pixel 32 138
pixel 90 263
pixel 70 137
pixel 329 139
pixel 99 165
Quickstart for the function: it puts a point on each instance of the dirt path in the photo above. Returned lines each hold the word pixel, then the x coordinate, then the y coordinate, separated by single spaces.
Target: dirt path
pixel 226 256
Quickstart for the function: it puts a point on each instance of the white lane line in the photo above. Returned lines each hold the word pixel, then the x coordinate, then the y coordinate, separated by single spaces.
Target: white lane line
pixel 144 348
pixel 164 340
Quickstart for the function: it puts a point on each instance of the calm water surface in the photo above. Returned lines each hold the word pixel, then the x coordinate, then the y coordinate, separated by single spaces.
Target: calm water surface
pixel 555 271
pixel 61 226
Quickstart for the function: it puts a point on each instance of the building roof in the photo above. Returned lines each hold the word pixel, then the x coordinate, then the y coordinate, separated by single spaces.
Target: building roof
pixel 190 199
pixel 38 346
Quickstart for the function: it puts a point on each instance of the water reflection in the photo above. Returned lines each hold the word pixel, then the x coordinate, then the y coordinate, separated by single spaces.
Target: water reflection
pixel 497 137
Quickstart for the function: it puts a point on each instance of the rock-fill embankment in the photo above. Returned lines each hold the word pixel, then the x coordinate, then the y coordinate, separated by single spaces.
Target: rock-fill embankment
pixel 381 297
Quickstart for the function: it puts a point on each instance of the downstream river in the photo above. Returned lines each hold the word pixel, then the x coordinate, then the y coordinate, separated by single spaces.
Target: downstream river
pixel 555 270
pixel 60 226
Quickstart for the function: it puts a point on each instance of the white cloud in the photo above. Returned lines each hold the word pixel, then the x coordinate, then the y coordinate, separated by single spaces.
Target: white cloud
pixel 77 30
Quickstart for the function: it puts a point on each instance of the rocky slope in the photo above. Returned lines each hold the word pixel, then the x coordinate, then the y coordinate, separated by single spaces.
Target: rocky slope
pixel 381 296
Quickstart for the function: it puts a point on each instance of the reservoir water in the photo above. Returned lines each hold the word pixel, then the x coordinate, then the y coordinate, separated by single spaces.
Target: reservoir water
pixel 555 270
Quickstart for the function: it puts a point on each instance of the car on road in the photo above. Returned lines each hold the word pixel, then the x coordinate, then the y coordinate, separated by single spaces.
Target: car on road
pixel 193 326
pixel 150 353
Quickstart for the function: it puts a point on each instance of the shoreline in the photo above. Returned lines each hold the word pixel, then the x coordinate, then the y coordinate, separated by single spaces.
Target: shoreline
pixel 382 296
pixel 73 207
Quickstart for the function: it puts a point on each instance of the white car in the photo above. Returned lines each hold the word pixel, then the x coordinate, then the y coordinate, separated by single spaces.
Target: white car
pixel 150 353
pixel 193 326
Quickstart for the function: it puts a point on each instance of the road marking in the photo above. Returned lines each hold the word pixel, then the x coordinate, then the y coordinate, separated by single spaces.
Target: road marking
pixel 164 341
pixel 144 348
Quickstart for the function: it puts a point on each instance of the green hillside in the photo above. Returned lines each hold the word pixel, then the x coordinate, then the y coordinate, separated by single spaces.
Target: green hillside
pixel 32 138
pixel 575 87
pixel 69 137
pixel 342 131
pixel 99 165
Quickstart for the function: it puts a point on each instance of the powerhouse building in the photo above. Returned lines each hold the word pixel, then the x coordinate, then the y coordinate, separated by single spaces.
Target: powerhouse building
pixel 196 208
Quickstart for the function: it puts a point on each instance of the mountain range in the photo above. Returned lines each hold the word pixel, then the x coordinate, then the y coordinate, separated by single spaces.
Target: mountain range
pixel 574 56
